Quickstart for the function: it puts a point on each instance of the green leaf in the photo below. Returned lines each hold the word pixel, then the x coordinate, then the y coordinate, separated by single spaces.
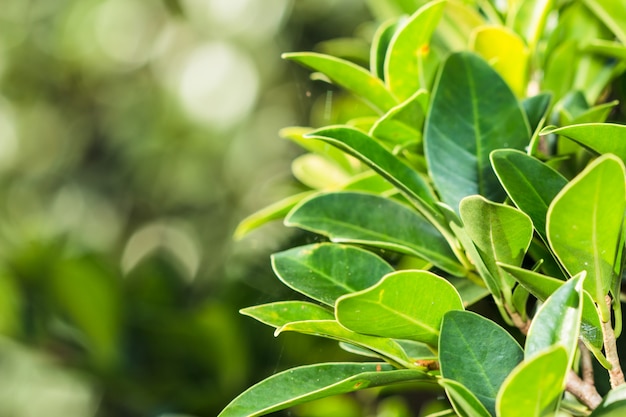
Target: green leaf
pixel 404 305
pixel 410 64
pixel 535 386
pixel 350 76
pixel 325 272
pixel 460 19
pixel 477 353
pixel 542 287
pixel 508 53
pixel 536 109
pixel 331 329
pixel 464 402
pixel 349 217
pixel 558 321
pixel 272 212
pixel 380 44
pixel 307 383
pixel 501 234
pixel 600 138
pixel 298 134
pixel 282 312
pixel 368 150
pixel 613 404
pixel 612 14
pixel 585 222
pixel 318 172
pixel 531 184
pixel 473 112
pixel 404 122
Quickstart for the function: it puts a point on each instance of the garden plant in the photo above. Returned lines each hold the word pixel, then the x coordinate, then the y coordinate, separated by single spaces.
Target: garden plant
pixel 483 167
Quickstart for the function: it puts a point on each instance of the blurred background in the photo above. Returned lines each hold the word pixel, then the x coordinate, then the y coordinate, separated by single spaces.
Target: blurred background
pixel 134 136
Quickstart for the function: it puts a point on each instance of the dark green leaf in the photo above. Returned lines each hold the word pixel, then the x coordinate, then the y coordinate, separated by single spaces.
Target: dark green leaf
pixel 376 221
pixel 536 108
pixel 325 272
pixel 473 112
pixel 380 44
pixel 531 184
pixel 613 405
pixel 463 400
pixel 477 353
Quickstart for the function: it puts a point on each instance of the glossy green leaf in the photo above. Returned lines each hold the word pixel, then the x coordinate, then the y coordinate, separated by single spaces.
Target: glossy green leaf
pixel 463 400
pixel 376 221
pixel 501 234
pixel 478 354
pixel 404 122
pixel 584 224
pixel 380 43
pixel 272 212
pixel 535 386
pixel 350 76
pixel 410 64
pixel 612 14
pixel 307 383
pixel 368 150
pixel 613 404
pixel 404 305
pixel 507 52
pixel 331 329
pixel 531 184
pixel 600 138
pixel 325 271
pixel 542 286
pixel 282 312
pixel 473 112
pixel 557 321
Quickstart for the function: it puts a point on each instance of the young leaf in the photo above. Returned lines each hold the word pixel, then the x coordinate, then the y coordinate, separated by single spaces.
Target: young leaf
pixel 535 386
pixel 274 211
pixel 600 138
pixel 557 321
pixel 501 234
pixel 531 184
pixel 507 51
pixel 350 76
pixel 473 112
pixel 585 222
pixel 404 305
pixel 463 400
pixel 308 383
pixel 404 122
pixel 477 353
pixel 325 272
pixel 410 64
pixel 376 221
pixel 330 329
pixel 282 312
pixel 363 147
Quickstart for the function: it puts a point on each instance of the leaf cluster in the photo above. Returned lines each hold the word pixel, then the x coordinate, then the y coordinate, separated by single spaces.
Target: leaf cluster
pixel 484 168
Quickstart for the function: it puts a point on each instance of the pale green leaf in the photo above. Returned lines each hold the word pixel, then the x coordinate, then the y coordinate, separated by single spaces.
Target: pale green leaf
pixel 404 305
pixel 279 313
pixel 464 402
pixel 612 14
pixel 600 138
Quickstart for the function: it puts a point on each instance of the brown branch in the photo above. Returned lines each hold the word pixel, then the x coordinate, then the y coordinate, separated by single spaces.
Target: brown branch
pixel 610 350
pixel 585 392
pixel 586 364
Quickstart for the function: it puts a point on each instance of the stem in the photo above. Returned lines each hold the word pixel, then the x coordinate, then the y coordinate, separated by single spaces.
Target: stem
pixel 586 364
pixel 521 324
pixel 586 393
pixel 610 349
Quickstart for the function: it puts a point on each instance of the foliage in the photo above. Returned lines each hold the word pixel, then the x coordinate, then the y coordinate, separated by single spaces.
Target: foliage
pixel 482 166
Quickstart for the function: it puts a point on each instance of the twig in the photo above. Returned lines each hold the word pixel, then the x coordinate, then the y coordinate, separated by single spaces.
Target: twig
pixel 610 349
pixel 586 364
pixel 585 392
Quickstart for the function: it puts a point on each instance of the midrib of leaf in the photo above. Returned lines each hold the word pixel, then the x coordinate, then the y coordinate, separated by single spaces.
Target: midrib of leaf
pixel 477 132
pixel 410 319
pixel 329 277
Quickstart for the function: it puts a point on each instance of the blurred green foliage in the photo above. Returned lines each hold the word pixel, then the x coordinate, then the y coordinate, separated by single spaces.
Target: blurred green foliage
pixel 134 135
